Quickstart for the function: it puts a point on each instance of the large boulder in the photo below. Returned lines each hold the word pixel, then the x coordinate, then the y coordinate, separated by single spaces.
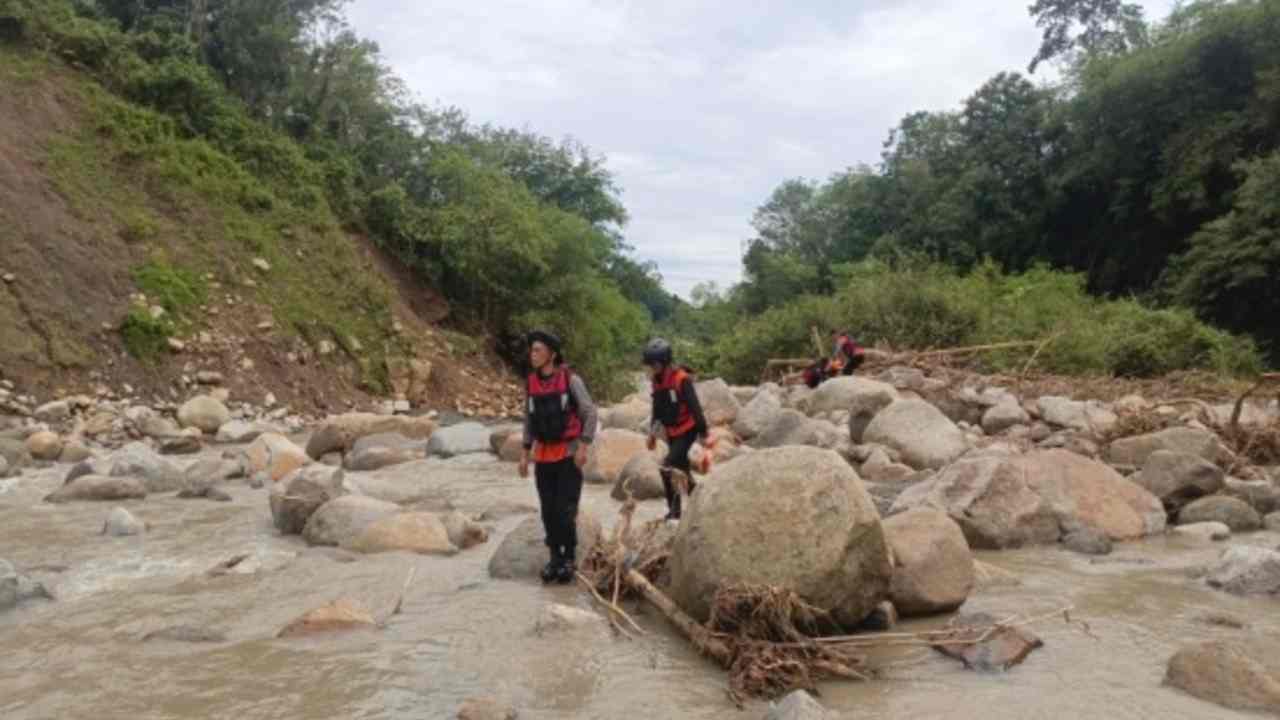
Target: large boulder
pixel 1037 498
pixel 205 413
pixel 512 448
pixel 932 565
pixel 1088 416
pixel 919 432
pixel 756 416
pixel 868 398
pixel 339 433
pixel 501 434
pixel 300 494
pixel 138 460
pixel 640 477
pixel 98 487
pixel 523 551
pixel 341 520
pixel 852 395
pixel 272 454
pixel 1135 451
pixel 791 517
pixel 610 452
pixel 1232 512
pixel 1246 570
pixel 718 402
pixel 791 427
pixel 1178 478
pixel 633 415
pixel 466 438
pixel 416 532
pixel 1231 674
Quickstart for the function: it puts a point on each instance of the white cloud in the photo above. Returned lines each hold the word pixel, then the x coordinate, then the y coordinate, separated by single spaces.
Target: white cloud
pixel 703 107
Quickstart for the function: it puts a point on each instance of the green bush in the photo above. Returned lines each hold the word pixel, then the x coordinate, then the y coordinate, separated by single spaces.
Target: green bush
pixel 916 306
pixel 145 337
pixel 175 289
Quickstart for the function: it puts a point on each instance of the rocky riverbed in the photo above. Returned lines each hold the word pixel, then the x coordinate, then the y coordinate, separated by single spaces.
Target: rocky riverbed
pixel 158 582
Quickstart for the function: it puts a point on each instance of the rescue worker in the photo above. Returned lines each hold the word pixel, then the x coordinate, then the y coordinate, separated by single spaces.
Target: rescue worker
pixel 677 414
pixel 817 373
pixel 559 425
pixel 845 352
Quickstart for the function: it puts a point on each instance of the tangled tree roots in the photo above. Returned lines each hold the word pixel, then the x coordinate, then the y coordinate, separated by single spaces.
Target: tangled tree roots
pixel 770 633
pixel 769 639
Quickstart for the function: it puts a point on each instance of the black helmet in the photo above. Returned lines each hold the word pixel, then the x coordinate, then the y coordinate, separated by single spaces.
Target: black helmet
pixel 551 340
pixel 657 351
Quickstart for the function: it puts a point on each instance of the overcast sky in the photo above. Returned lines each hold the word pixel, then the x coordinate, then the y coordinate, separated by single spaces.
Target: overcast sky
pixel 702 108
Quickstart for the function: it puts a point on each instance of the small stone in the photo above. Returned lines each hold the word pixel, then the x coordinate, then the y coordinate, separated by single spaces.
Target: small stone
pixel 10 277
pixel 266 325
pixel 797 705
pixel 269 401
pixel 177 345
pixel 209 377
pixel 336 616
pixel 1208 531
pixel 1272 522
pixel 186 633
pixel 181 445
pixel 122 523
pixel 486 709
pixel 156 311
pixel 53 411
pixel 44 445
pixel 1087 541
pixel 246 364
pixel 262 264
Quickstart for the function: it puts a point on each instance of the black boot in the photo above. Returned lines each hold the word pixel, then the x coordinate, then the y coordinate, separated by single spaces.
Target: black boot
pixel 673 506
pixel 567 569
pixel 552 569
pixel 673 495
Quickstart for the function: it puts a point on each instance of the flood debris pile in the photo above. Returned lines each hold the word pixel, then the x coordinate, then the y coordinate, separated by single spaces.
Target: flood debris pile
pixel 843 507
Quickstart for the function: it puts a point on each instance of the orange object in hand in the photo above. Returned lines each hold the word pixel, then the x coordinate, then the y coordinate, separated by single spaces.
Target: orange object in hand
pixel 704 465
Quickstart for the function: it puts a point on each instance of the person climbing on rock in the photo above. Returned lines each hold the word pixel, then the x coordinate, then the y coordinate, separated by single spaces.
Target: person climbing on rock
pixel 819 372
pixel 847 353
pixel 677 414
pixel 559 425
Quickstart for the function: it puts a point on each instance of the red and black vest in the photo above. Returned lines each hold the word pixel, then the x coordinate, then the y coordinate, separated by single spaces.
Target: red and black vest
pixel 849 347
pixel 553 414
pixel 669 408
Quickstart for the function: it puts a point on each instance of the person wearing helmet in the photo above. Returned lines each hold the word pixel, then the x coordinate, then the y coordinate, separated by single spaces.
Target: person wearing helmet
pixel 846 353
pixel 677 414
pixel 559 424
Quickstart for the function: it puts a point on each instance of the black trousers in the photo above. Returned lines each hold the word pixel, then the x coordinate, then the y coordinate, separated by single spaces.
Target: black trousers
pixel 559 490
pixel 677 458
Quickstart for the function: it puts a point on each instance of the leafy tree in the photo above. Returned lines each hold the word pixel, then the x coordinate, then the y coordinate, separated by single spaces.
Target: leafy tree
pixel 1091 27
pixel 1230 273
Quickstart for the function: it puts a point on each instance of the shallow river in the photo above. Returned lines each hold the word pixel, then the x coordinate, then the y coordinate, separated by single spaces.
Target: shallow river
pixel 462 634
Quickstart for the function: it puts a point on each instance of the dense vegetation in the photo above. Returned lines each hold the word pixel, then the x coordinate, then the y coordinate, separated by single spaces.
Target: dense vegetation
pixel 295 126
pixel 1150 173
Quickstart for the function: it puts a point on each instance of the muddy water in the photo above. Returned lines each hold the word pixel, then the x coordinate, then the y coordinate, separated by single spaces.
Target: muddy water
pixel 462 634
